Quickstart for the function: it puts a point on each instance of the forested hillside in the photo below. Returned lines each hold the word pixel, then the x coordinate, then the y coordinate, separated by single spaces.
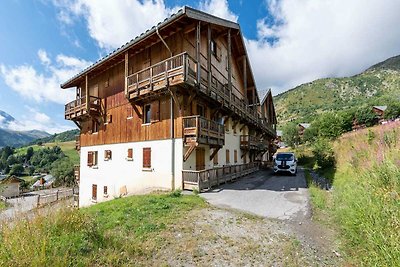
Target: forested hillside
pixel 378 85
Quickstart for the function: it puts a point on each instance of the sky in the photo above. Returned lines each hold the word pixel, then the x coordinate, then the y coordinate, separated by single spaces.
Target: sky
pixel 45 42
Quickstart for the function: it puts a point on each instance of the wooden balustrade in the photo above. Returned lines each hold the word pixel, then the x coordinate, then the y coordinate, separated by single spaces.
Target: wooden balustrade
pixel 182 69
pixel 77 108
pixel 206 179
pixel 197 129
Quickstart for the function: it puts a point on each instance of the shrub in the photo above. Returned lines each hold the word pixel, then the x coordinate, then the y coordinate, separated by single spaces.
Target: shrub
pixel 323 154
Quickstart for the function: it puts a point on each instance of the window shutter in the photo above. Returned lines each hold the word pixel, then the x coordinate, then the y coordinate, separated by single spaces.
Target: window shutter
pixel 94 191
pixel 235 156
pixel 107 154
pixel 155 111
pixel 147 157
pixel 90 159
pixel 130 153
pixel 227 156
pixel 215 159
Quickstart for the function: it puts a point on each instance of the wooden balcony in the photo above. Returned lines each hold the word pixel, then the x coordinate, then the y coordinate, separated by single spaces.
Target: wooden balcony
pixel 206 179
pixel 251 142
pixel 199 130
pixel 176 70
pixel 182 69
pixel 78 109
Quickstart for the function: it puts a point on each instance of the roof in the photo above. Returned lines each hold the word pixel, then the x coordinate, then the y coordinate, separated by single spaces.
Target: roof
pixel 305 125
pixel 383 108
pixel 184 12
pixel 11 179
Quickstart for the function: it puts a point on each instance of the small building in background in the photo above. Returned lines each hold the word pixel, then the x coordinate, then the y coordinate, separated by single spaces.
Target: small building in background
pixel 44 182
pixel 10 186
pixel 302 128
pixel 380 111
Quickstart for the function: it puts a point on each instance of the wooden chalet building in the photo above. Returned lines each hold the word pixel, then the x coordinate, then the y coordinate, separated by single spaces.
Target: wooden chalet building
pixel 176 107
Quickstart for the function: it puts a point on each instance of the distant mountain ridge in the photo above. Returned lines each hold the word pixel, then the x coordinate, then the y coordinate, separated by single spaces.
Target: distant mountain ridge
pixel 378 85
pixel 9 137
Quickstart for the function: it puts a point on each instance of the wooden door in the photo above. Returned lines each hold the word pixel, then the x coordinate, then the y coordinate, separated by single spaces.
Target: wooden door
pixel 200 159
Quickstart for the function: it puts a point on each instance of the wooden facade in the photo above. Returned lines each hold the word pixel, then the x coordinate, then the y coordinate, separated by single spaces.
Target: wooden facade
pixel 181 79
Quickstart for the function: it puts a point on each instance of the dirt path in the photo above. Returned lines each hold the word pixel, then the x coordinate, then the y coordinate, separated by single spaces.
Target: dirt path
pixel 261 220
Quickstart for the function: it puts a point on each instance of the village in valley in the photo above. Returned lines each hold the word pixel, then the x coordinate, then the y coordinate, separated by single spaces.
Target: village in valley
pixel 178 153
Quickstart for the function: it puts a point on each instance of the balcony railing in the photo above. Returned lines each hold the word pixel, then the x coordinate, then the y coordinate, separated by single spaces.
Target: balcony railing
pixel 206 179
pixel 76 109
pixel 171 71
pixel 197 129
pixel 183 69
pixel 251 142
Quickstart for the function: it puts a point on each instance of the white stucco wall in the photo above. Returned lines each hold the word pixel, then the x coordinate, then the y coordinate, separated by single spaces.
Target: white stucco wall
pixel 9 190
pixel 119 172
pixel 232 142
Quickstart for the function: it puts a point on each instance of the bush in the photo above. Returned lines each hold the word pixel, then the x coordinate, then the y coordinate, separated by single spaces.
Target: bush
pixel 323 154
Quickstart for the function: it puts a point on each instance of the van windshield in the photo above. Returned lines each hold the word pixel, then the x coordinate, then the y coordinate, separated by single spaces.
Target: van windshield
pixel 284 156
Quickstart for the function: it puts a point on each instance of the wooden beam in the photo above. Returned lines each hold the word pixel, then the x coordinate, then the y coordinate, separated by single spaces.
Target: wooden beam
pixel 198 43
pixel 87 93
pixel 78 125
pixel 209 58
pixel 126 72
pixel 245 73
pixel 176 100
pixel 138 111
pixel 214 153
pixel 230 65
pixel 190 150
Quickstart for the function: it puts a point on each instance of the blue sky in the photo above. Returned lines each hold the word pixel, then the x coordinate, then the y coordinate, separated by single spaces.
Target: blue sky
pixel 290 42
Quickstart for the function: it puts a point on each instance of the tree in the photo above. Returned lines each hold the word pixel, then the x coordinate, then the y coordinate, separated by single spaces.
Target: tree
pixel 329 125
pixel 365 115
pixel 392 111
pixel 291 134
pixel 63 171
pixel 17 169
pixel 29 153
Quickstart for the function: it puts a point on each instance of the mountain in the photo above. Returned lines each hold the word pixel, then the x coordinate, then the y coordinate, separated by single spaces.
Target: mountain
pixel 9 137
pixel 378 85
pixel 61 137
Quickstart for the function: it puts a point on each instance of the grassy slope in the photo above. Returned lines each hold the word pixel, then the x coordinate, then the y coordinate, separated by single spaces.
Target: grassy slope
pixel 374 86
pixel 122 232
pixel 67 147
pixel 365 203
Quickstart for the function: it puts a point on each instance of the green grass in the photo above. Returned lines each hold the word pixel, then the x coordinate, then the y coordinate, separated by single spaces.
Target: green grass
pixel 121 232
pixel 365 202
pixel 67 147
pixel 2 205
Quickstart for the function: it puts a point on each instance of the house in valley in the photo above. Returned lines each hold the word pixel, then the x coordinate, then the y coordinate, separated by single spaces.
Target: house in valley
pixel 380 111
pixel 9 186
pixel 176 107
pixel 302 128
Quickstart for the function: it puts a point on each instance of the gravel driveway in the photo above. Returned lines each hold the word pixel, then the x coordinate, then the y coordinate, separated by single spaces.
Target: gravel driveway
pixel 265 194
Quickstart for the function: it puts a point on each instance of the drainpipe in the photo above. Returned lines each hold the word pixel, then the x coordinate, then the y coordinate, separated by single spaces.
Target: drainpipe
pixel 172 128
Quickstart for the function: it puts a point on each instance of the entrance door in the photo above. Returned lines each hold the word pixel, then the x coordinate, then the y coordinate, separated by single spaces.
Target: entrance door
pixel 200 159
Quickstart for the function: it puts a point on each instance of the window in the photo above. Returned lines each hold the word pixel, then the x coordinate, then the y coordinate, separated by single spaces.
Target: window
pixel 109 118
pixel 107 154
pixel 92 158
pixel 213 47
pixel 235 156
pixel 201 110
pixel 227 156
pixel 215 159
pixel 147 114
pixel 155 111
pixel 105 191
pixel 146 157
pixel 130 154
pixel 94 191
pixel 95 126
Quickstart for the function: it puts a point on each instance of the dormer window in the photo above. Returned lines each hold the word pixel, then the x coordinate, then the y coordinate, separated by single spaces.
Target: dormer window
pixel 213 45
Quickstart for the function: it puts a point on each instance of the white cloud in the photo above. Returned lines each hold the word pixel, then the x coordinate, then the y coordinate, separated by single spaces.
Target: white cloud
pixel 113 23
pixel 219 8
pixel 44 58
pixel 36 120
pixel 43 85
pixel 312 39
